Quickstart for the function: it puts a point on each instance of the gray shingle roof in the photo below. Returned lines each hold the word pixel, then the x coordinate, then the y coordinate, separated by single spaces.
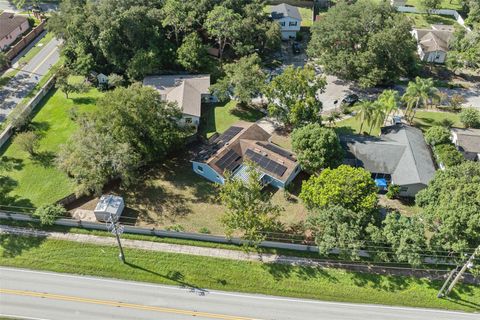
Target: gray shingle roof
pixel 285 10
pixel 400 151
pixel 9 22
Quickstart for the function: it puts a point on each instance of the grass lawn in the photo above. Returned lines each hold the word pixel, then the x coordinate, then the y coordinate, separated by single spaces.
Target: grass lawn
pixel 425 21
pixel 423 120
pixel 445 4
pixel 37 181
pixel 307 14
pixel 219 117
pixel 222 274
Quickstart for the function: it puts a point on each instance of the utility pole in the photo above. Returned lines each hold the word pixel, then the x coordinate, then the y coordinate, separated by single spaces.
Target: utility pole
pixel 117 229
pixel 469 264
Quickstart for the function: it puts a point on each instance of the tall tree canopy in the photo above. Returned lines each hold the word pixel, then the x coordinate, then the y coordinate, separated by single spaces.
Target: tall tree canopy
pixel 244 80
pixel 345 186
pixel 131 127
pixel 292 96
pixel 249 210
pixel 451 207
pixel 317 147
pixel 139 37
pixel 366 41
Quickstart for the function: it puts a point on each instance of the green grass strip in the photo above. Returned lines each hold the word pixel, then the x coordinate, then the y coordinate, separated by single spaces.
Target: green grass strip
pixel 212 273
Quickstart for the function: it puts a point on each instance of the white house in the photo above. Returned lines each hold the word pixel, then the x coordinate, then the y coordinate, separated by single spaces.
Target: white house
pixel 432 44
pixel 289 19
pixel 188 91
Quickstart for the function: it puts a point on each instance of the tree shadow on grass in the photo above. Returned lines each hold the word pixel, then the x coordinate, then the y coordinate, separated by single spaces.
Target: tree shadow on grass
pixel 44 158
pixel 284 271
pixel 14 245
pixel 174 276
pixel 40 127
pixel 84 100
pixel 14 202
pixel 8 164
pixel 246 113
pixel 383 283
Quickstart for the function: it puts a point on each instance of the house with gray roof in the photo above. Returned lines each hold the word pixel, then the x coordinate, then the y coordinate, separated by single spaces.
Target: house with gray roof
pixel 432 44
pixel 399 156
pixel 187 91
pixel 289 19
pixel 467 142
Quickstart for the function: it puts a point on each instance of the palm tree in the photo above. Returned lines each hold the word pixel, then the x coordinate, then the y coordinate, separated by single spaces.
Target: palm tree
pixel 365 111
pixel 388 101
pixel 378 116
pixel 333 117
pixel 418 94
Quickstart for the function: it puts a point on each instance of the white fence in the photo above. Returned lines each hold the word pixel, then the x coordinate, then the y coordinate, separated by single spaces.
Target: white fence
pixel 444 12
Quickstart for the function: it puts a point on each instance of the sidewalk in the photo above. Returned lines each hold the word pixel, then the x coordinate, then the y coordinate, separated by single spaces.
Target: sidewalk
pixel 238 255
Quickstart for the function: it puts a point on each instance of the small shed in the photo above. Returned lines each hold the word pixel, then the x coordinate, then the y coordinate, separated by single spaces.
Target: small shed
pixel 109 205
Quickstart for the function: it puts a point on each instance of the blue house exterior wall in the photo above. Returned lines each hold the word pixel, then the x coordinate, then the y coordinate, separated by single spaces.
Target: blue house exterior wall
pixel 207 172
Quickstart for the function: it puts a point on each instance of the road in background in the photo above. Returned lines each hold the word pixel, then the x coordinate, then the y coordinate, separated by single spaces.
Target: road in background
pixel 45 295
pixel 27 78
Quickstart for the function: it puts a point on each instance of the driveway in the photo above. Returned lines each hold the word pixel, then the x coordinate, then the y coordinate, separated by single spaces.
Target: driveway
pixel 24 81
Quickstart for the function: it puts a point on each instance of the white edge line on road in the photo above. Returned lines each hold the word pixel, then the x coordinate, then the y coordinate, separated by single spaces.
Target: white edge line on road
pixel 20 317
pixel 246 296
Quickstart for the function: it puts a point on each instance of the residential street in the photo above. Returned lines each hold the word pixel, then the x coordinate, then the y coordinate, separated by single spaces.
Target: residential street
pixel 45 295
pixel 25 80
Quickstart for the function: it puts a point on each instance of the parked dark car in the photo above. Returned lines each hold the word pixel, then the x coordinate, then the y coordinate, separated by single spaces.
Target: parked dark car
pixel 350 100
pixel 296 48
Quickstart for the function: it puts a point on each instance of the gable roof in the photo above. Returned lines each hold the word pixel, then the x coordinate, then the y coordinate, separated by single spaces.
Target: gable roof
pixel 400 151
pixel 186 90
pixel 285 10
pixel 468 140
pixel 432 40
pixel 9 22
pixel 248 141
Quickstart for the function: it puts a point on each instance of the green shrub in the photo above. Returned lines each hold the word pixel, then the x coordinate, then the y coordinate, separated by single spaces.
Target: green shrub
pixel 448 155
pixel 470 118
pixel 49 213
pixel 204 230
pixel 393 191
pixel 175 227
pixel 437 135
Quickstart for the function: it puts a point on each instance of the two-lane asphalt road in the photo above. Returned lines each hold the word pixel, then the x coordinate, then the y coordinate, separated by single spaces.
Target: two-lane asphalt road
pixel 27 78
pixel 44 295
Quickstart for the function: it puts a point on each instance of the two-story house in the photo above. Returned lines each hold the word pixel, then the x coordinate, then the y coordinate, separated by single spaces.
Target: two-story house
pixel 188 91
pixel 12 26
pixel 289 19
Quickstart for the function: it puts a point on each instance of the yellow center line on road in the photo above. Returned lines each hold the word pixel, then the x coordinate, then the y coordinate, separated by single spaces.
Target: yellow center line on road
pixel 120 304
pixel 45 59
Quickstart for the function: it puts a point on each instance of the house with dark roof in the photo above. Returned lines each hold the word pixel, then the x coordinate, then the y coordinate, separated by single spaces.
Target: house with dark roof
pixel 432 44
pixel 188 91
pixel 467 142
pixel 246 142
pixel 289 19
pixel 398 156
pixel 12 27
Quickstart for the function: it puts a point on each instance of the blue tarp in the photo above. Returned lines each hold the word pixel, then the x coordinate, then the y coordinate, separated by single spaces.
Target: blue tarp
pixel 381 183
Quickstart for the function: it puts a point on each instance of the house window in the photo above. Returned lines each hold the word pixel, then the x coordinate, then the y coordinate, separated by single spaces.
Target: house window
pixel 403 189
pixel 188 120
pixel 282 23
pixel 292 23
pixel 199 168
